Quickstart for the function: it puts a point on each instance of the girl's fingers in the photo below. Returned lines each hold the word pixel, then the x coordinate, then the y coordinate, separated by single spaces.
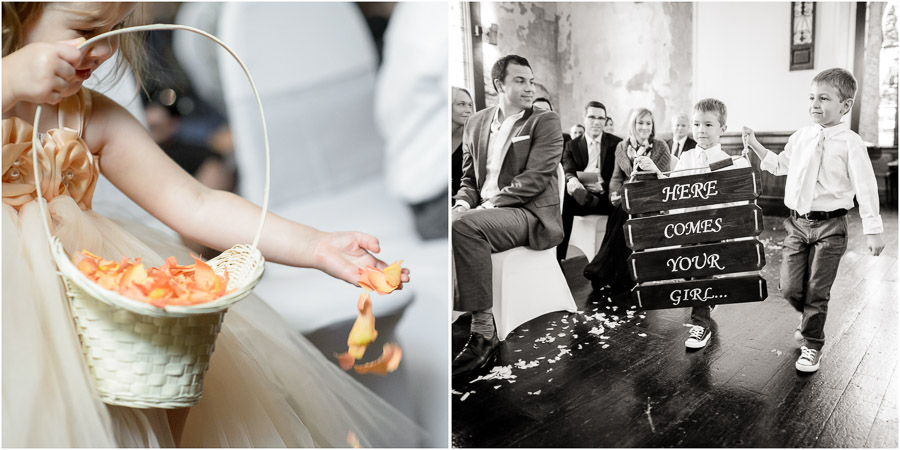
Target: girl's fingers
pixel 69 52
pixel 368 242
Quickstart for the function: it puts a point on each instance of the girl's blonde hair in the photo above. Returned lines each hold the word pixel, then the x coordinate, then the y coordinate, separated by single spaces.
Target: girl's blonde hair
pixel 18 16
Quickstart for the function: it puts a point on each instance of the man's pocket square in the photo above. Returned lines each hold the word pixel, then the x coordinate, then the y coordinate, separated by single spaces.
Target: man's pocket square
pixel 520 138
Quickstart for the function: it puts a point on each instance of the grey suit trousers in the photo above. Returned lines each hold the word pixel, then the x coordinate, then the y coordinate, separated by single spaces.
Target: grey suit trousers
pixel 476 234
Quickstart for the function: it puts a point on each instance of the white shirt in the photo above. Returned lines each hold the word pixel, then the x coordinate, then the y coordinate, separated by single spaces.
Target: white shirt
pixel 498 145
pixel 845 172
pixel 411 102
pixel 594 149
pixel 698 159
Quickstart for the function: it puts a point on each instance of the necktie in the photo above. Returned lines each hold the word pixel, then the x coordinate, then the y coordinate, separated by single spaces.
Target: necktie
pixel 809 174
pixel 704 159
pixel 677 152
pixel 593 157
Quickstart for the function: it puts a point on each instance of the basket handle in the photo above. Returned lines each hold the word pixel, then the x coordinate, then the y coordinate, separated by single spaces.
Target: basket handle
pixel 36 144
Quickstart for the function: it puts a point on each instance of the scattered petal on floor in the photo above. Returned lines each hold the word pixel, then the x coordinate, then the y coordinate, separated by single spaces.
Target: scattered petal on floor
pixel 642 334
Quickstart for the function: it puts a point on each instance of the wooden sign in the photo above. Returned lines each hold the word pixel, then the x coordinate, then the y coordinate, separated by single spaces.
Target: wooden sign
pixel 697 261
pixel 707 225
pixel 688 294
pixel 692 190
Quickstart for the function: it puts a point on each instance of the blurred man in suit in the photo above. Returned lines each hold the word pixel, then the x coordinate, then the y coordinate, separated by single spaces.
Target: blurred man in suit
pixel 508 198
pixel 594 152
pixel 680 141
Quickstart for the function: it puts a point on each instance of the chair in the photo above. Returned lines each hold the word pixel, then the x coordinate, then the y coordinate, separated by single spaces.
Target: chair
pixel 528 283
pixel 587 235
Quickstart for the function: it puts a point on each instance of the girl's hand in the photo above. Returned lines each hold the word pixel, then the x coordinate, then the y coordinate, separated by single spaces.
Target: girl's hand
pixel 341 255
pixel 42 72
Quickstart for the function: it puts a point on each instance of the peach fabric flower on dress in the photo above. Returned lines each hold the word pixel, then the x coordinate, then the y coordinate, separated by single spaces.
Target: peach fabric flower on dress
pixel 71 168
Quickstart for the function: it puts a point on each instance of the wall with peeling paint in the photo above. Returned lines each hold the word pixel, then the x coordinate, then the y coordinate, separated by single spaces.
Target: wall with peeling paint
pixel 743 56
pixel 623 54
pixel 528 30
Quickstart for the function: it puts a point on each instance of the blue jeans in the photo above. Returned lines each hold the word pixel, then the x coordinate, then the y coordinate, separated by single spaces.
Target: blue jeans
pixel 812 253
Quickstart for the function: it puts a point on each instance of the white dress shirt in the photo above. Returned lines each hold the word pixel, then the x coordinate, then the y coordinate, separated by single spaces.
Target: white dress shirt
pixel 845 172
pixel 498 145
pixel 698 159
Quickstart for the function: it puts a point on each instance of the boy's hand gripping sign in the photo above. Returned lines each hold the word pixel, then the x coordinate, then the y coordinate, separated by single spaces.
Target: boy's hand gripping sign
pixel 704 257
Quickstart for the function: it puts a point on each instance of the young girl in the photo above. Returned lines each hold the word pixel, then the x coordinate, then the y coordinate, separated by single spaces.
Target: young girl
pixel 609 267
pixel 266 385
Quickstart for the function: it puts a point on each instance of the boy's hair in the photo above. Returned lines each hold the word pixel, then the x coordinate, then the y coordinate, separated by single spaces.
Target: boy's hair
pixel 498 72
pixel 637 114
pixel 840 79
pixel 594 104
pixel 543 99
pixel 714 106
pixel 131 52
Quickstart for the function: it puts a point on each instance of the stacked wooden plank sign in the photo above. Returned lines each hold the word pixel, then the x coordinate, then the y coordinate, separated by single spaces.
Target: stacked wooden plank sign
pixel 703 257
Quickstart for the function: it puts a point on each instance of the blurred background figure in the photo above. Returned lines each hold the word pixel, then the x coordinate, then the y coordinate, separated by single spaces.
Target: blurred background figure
pixel 577 131
pixel 411 110
pixel 461 107
pixel 542 103
pixel 610 127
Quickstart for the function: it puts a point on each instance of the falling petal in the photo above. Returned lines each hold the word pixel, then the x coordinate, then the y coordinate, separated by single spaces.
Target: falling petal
pixel 386 363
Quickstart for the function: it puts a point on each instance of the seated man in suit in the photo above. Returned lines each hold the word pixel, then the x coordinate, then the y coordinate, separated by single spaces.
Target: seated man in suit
pixel 680 141
pixel 594 152
pixel 508 198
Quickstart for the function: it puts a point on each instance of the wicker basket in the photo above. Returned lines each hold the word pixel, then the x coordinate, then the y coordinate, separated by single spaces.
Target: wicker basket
pixel 139 355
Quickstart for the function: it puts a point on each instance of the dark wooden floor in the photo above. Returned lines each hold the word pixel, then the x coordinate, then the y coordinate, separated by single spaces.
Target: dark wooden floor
pixel 612 376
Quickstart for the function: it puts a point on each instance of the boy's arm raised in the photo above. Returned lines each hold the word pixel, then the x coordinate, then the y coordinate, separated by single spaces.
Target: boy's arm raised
pixel 769 161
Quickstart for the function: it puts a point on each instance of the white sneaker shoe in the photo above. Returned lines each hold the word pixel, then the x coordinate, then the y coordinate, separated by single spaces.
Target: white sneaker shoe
pixel 809 360
pixel 698 337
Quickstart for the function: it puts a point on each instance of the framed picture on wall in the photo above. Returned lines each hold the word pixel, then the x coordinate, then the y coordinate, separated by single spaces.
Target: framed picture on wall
pixel 803 35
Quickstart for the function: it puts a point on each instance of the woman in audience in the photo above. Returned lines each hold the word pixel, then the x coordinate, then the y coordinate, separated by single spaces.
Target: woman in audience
pixel 461 109
pixel 608 268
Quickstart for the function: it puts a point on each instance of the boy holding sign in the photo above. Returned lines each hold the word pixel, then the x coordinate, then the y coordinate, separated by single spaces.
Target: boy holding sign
pixel 708 125
pixel 826 165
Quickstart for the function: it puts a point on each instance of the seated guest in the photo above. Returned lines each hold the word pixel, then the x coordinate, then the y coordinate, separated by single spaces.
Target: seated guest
pixel 512 202
pixel 594 153
pixel 609 268
pixel 610 127
pixel 460 110
pixel 576 131
pixel 680 141
pixel 543 104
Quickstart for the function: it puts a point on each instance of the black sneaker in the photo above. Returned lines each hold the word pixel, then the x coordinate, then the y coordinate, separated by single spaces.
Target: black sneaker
pixel 698 337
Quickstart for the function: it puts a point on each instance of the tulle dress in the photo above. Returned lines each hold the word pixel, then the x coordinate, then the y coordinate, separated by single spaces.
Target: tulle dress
pixel 267 386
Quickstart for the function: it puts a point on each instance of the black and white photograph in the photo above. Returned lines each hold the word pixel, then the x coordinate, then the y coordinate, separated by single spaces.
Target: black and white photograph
pixel 674 224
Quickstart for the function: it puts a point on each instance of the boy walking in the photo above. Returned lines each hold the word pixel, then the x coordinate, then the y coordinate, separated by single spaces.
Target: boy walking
pixel 826 166
pixel 707 124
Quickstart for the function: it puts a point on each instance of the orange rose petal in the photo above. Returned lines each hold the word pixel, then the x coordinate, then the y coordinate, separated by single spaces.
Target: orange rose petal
pixel 345 360
pixel 386 363
pixel 363 331
pixel 392 274
pixel 88 266
pixel 352 440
